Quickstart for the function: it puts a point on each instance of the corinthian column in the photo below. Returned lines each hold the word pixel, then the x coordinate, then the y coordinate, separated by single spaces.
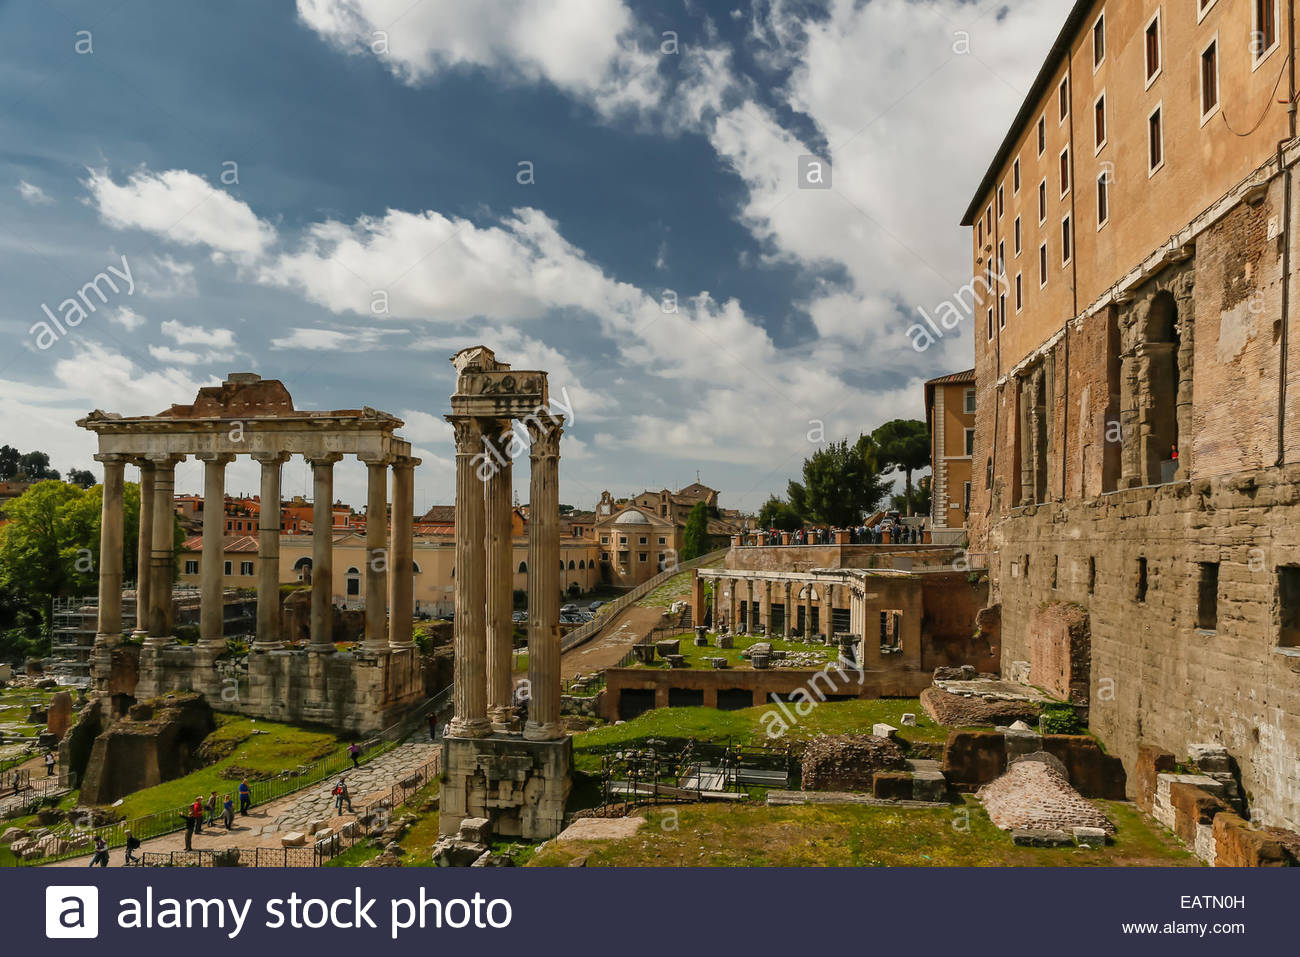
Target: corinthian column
pixel 828 601
pixel 211 594
pixel 500 576
pixel 161 554
pixel 469 687
pixel 377 557
pixel 144 547
pixel 544 579
pixel 322 552
pixel 401 576
pixel 109 629
pixel 268 553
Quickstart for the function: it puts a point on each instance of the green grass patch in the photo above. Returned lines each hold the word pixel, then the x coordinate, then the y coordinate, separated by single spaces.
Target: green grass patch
pixel 238 743
pixel 697 657
pixel 857 836
pixel 749 726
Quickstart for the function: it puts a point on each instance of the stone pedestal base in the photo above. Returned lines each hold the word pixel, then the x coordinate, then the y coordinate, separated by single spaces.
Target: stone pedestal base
pixel 520 786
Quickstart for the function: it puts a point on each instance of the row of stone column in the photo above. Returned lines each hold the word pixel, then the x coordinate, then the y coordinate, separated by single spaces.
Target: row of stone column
pixel 758 603
pixel 482 693
pixel 389 572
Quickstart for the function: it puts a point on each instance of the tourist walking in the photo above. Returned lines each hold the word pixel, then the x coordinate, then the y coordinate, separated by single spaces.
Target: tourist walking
pixel 49 764
pixel 100 856
pixel 228 812
pixel 433 727
pixel 354 752
pixel 245 796
pixel 196 812
pixel 341 795
pixel 132 845
pixel 191 825
pixel 212 808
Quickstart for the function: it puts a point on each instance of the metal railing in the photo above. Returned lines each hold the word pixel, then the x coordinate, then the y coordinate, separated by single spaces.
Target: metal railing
pixel 592 628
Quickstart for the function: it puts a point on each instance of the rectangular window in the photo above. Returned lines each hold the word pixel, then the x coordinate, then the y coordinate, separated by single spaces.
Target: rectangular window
pixel 970 401
pixel 1064 171
pixel 245 568
pixel 642 556
pixel 1288 597
pixel 1203 7
pixel 1263 39
pixel 1015 237
pixel 1103 199
pixel 1002 257
pixel 1099 121
pixel 1098 41
pixel 1063 99
pixel 979 234
pixel 1142 580
pixel 663 541
pixel 1042 202
pixel 604 539
pixel 1207 597
pixel 622 539
pixel 191 567
pixel 228 568
pixel 970 442
pixel 1020 293
pixel 1209 80
pixel 643 540
pixel 1155 141
pixel 1152 49
pixel 1067 246
pixel 1042 265
pixel 990 324
pixel 988 220
pixel 965 498
pixel 1015 176
pixel 1002 311
pixel 1002 206
pixel 1042 134
pixel 1092 575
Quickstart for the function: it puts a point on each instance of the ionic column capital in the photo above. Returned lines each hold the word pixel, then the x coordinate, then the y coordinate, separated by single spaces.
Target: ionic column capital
pixel 112 458
pixel 164 460
pixel 215 458
pixel 405 463
pixel 323 458
pixel 270 458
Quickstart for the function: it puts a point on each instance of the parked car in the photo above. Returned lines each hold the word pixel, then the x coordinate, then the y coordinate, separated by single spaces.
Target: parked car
pixel 519 617
pixel 595 605
pixel 569 609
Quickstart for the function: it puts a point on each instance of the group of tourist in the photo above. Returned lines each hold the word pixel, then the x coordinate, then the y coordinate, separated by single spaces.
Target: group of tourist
pixel 899 534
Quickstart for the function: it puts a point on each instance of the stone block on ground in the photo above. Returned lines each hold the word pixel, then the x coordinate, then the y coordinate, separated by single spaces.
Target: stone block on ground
pixel 1091 837
pixel 909 720
pixel 1162 808
pixel 293 839
pixel 887 731
pixel 475 829
pixel 725 641
pixel 892 785
pixel 1040 837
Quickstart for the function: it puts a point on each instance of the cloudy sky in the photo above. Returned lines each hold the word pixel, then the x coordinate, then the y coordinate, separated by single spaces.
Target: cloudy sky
pixel 342 193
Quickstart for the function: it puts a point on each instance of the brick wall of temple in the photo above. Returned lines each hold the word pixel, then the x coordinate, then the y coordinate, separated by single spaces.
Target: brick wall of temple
pixel 1156 678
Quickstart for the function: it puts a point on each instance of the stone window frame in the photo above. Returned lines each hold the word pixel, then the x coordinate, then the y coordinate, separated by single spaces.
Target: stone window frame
pixel 1041 130
pixel 1017 238
pixel 968 443
pixel 1155 21
pixel 1258 58
pixel 246 568
pixel 1042 201
pixel 1099 49
pixel 228 568
pixel 1020 293
pixel 1042 265
pixel 1015 177
pixel 968 400
pixel 1063 100
pixel 1203 7
pixel 1157 114
pixel 1103 193
pixel 1063 171
pixel 990 323
pixel 1102 128
pixel 1207 115
pixel 1002 201
pixel 1067 239
pixel 642 557
pixel 191 566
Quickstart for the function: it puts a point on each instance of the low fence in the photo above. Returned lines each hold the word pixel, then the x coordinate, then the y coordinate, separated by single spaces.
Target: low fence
pixel 79 840
pixel 592 628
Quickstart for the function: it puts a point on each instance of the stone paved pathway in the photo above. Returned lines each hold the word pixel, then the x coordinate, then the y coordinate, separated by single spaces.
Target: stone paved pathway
pixel 263 825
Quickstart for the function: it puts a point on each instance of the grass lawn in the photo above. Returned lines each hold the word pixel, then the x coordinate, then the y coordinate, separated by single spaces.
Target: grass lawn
pixel 282 746
pixel 748 726
pixel 856 836
pixel 696 656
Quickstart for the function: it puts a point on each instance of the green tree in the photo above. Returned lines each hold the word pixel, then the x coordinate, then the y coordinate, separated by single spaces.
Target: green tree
pixel 919 503
pixel 777 513
pixel 35 466
pixel 9 462
pixel 904 446
pixel 840 482
pixel 82 478
pixel 695 539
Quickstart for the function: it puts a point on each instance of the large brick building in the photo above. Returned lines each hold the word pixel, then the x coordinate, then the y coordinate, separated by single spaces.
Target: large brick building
pixel 1137 436
pixel 950 415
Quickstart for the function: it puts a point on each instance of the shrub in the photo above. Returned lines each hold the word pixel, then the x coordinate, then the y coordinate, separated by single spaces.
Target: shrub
pixel 1059 719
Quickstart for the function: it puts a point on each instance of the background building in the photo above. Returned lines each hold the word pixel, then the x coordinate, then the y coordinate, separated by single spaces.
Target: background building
pixel 950 414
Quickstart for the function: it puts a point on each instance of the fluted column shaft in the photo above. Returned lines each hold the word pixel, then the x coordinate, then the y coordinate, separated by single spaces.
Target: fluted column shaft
pixel 787 609
pixel 544 580
pixel 109 629
pixel 401 573
pixel 469 682
pixel 807 612
pixel 733 604
pixel 212 570
pixel 500 577
pixel 322 552
pixel 161 554
pixel 751 618
pixel 144 547
pixel 377 556
pixel 268 553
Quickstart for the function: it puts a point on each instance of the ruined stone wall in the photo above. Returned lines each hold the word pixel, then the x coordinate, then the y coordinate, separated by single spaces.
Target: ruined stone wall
pixel 1155 677
pixel 802 558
